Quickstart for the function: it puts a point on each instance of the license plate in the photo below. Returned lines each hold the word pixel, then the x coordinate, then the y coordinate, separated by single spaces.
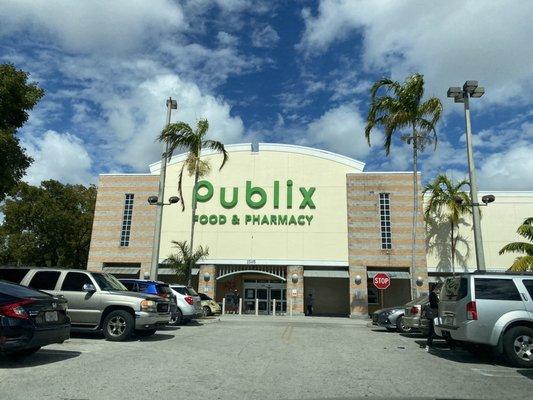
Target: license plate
pixel 51 316
pixel 448 320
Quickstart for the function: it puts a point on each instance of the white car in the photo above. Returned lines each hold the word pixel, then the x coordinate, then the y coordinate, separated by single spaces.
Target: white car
pixel 189 304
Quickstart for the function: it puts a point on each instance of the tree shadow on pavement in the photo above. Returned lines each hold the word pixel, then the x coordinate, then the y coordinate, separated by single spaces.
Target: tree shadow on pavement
pixel 42 357
pixel 528 373
pixel 156 337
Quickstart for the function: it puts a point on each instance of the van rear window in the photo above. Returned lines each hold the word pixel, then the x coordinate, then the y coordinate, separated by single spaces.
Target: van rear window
pixel 455 288
pixel 496 289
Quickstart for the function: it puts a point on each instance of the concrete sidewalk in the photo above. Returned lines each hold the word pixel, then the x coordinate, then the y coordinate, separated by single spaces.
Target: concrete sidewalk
pixel 299 319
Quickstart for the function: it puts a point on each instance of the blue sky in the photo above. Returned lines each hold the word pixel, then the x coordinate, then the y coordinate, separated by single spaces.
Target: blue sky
pixel 294 72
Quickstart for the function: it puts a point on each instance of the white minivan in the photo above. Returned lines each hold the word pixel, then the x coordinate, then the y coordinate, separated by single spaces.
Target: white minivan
pixel 189 304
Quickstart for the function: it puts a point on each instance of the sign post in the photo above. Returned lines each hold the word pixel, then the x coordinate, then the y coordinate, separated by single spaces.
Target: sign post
pixel 382 282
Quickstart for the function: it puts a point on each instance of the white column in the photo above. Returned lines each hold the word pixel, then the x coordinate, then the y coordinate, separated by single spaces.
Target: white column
pixel 274 307
pixel 240 305
pixel 256 306
pixel 223 306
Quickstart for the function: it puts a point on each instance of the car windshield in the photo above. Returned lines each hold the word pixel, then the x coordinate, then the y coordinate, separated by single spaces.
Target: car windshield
pixel 109 282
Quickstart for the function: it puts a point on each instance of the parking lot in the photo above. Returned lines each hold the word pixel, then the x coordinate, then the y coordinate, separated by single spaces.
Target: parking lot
pixel 260 357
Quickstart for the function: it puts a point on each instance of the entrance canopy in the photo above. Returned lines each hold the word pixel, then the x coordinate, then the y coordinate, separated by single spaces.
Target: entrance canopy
pixel 271 270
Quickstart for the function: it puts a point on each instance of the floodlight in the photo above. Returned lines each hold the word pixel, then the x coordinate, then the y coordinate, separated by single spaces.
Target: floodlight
pixel 152 200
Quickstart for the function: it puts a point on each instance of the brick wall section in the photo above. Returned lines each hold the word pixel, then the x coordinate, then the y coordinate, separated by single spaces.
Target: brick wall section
pixel 298 301
pixel 364 235
pixel 105 239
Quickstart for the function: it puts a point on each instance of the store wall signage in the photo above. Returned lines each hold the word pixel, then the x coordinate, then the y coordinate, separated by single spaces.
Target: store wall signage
pixel 282 196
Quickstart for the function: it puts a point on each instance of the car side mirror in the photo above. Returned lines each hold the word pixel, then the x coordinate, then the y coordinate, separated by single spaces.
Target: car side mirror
pixel 89 287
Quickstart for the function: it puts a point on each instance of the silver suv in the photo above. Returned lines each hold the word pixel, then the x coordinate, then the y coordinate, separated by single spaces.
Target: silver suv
pixel 491 309
pixel 97 301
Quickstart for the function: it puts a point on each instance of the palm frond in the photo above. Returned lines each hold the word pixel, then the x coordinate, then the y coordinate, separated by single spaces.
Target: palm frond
pixel 180 187
pixel 526 229
pixel 523 263
pixel 176 135
pixel 202 127
pixel 218 147
pixel 517 247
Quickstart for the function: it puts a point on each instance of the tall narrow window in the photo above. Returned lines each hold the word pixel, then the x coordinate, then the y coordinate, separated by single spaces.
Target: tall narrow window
pixel 384 217
pixel 126 220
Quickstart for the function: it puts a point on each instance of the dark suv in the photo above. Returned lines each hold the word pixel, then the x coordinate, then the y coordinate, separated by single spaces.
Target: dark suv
pixel 153 287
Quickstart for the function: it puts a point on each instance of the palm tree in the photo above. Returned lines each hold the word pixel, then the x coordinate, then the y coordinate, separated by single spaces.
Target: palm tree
pixel 185 259
pixel 448 200
pixel 401 109
pixel 180 135
pixel 525 262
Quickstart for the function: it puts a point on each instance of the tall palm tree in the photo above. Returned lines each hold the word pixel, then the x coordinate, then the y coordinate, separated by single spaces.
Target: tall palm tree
pixel 181 136
pixel 185 258
pixel 400 109
pixel 449 201
pixel 524 262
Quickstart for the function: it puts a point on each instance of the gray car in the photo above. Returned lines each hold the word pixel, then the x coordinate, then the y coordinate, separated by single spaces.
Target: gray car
pixel 414 317
pixel 391 318
pixel 97 301
pixel 490 309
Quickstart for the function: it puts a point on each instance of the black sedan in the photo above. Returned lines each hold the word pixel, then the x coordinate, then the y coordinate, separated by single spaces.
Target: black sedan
pixel 30 319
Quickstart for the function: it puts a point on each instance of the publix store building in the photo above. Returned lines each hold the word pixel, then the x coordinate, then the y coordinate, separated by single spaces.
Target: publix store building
pixel 280 222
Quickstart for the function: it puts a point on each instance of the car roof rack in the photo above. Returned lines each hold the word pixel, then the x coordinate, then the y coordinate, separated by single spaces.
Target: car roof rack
pixel 507 272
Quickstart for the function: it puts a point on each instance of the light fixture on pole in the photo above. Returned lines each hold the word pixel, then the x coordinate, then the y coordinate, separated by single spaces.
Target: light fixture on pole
pixel 463 95
pixel 171 105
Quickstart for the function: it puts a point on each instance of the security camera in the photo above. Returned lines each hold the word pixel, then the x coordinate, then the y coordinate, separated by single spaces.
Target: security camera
pixel 488 198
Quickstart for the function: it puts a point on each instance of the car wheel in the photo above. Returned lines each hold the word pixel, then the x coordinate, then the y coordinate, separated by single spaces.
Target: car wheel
pixel 145 332
pixel 400 325
pixel 177 318
pixel 518 346
pixel 118 325
pixel 206 311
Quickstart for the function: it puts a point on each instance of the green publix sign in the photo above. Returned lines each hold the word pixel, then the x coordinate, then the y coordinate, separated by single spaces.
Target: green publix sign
pixel 256 198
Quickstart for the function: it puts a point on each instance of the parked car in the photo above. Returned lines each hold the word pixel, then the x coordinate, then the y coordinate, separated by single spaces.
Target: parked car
pixel 413 318
pixel 154 287
pixel 30 319
pixel 390 318
pixel 490 309
pixel 97 301
pixel 189 303
pixel 209 306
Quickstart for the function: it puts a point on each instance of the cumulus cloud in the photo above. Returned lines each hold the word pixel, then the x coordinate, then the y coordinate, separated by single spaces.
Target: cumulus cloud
pixel 59 156
pixel 448 42
pixel 264 36
pixel 341 130
pixel 116 26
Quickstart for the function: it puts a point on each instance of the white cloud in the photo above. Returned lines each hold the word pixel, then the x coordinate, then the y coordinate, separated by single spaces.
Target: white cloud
pixel 59 156
pixel 227 39
pixel 448 42
pixel 96 26
pixel 341 130
pixel 507 170
pixel 265 36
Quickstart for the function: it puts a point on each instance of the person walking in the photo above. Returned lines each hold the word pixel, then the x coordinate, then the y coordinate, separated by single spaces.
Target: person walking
pixel 310 304
pixel 432 311
pixel 236 299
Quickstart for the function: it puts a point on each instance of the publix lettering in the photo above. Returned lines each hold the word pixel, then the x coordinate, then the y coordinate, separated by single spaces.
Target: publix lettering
pixel 280 196
pixel 256 197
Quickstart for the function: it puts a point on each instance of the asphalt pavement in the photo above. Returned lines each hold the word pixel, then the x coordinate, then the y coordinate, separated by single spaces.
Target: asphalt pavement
pixel 241 357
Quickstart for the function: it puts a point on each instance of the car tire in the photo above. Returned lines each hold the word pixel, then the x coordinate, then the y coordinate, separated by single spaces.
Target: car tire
pixel 145 332
pixel 206 311
pixel 177 318
pixel 517 343
pixel 118 325
pixel 401 327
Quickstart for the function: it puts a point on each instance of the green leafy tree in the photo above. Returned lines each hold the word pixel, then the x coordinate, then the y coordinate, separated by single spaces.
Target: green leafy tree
pixel 185 259
pixel 48 225
pixel 450 202
pixel 181 136
pixel 401 109
pixel 17 97
pixel 525 262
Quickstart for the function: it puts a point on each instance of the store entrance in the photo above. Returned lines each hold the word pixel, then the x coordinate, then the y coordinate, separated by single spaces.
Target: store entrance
pixel 265 292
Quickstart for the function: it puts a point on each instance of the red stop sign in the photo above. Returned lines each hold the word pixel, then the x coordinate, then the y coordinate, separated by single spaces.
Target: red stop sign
pixel 382 281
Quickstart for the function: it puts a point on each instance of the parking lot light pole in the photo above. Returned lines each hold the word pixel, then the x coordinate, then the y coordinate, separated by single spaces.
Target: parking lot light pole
pixel 171 105
pixel 463 95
